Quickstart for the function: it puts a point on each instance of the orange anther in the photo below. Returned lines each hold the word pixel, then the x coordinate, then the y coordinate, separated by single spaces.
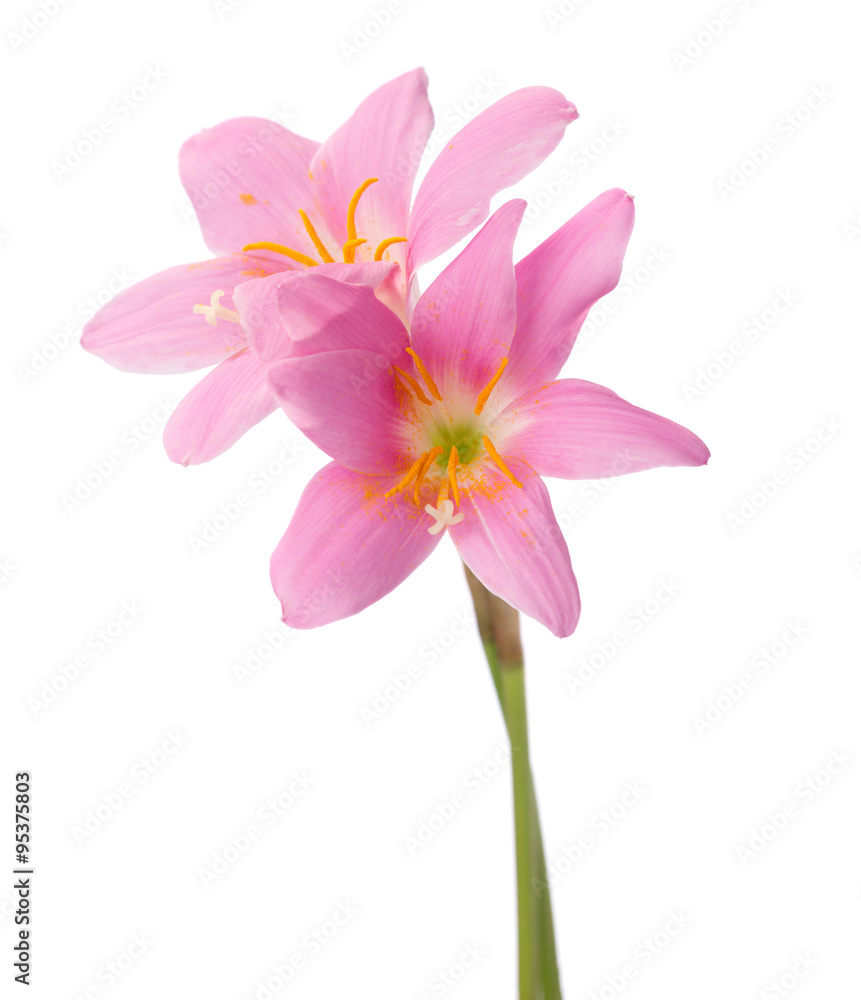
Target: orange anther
pixel 425 374
pixel 431 456
pixel 301 258
pixel 407 479
pixel 417 389
pixel 494 454
pixel 325 256
pixel 452 478
pixel 488 389
pixel 381 249
pixel 354 203
pixel 350 250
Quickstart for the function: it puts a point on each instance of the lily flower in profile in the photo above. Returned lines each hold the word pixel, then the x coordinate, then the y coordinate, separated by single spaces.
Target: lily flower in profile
pixel 449 428
pixel 271 202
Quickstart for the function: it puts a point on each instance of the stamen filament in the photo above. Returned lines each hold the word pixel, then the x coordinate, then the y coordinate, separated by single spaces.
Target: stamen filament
pixel 452 478
pixel 494 454
pixel 354 203
pixel 425 374
pixel 488 389
pixel 433 454
pixel 381 249
pixel 325 256
pixel 349 249
pixel 417 389
pixel 301 258
pixel 414 468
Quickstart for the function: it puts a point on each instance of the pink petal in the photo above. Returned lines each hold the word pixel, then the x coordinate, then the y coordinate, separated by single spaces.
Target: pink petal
pixel 496 149
pixel 463 325
pixel 510 539
pixel 151 327
pixel 383 138
pixel 246 179
pixel 346 547
pixel 562 279
pixel 285 315
pixel 578 430
pixel 226 403
pixel 345 402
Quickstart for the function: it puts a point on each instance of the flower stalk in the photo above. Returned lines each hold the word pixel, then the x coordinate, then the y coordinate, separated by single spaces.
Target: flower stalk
pixel 499 629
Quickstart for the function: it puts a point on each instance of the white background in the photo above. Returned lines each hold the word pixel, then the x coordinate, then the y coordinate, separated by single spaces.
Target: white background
pixel 714 250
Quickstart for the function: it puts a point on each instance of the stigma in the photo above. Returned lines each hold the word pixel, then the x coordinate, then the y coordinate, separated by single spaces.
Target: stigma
pixel 443 515
pixel 214 312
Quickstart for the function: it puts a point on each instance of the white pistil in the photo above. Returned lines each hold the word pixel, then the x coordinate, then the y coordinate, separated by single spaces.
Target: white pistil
pixel 214 312
pixel 442 516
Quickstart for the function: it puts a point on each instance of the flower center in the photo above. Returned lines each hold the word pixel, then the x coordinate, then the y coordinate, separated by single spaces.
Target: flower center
pixel 214 312
pixel 348 250
pixel 454 443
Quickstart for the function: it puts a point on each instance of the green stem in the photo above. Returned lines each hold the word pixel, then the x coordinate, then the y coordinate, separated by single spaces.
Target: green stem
pixel 549 963
pixel 500 632
pixel 528 920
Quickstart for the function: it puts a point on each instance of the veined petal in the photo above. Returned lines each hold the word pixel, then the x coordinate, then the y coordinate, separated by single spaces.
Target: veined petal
pixel 345 402
pixel 510 539
pixel 324 308
pixel 463 325
pixel 226 403
pixel 383 138
pixel 247 178
pixel 151 327
pixel 562 279
pixel 496 149
pixel 346 547
pixel 573 429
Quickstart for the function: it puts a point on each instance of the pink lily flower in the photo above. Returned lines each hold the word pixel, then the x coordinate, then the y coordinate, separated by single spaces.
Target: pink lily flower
pixel 452 426
pixel 271 202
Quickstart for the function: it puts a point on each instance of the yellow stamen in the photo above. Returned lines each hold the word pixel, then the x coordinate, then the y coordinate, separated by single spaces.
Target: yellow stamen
pixel 350 250
pixel 494 454
pixel 433 454
pixel 354 203
pixel 278 248
pixel 425 374
pixel 381 249
pixel 417 389
pixel 488 389
pixel 325 256
pixel 452 478
pixel 414 468
pixel 443 492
